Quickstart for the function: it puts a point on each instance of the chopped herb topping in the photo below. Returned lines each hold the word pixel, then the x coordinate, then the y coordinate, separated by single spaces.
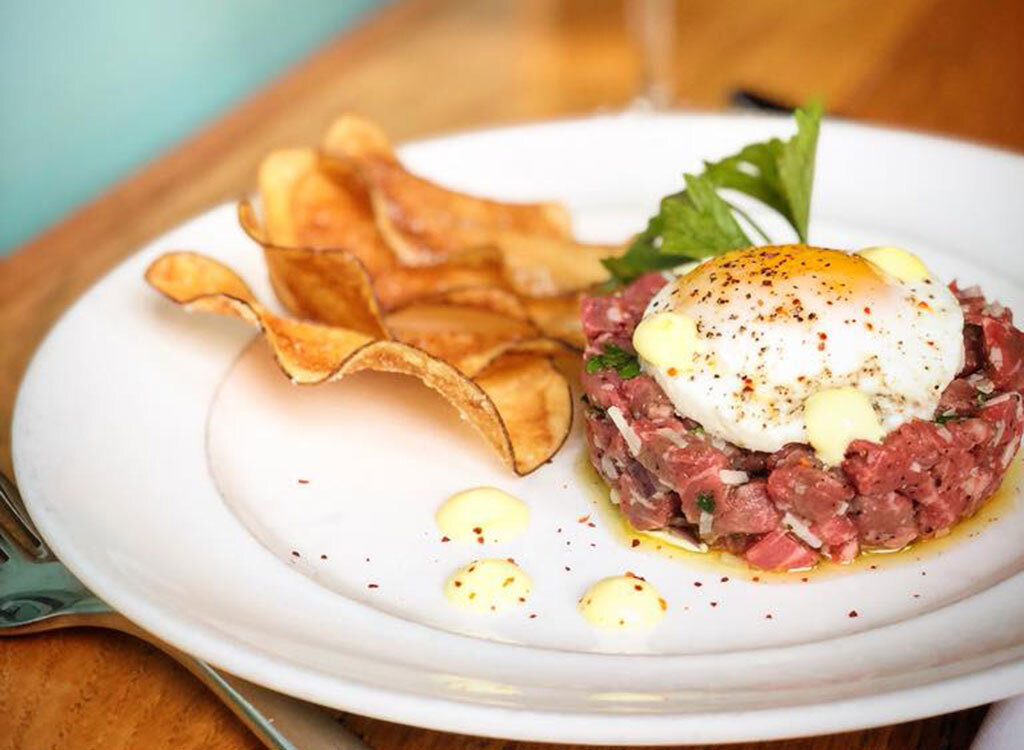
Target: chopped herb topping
pixel 615 358
pixel 706 502
pixel 943 418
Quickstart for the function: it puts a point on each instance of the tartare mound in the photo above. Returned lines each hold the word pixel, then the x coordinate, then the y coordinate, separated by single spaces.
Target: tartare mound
pixel 786 510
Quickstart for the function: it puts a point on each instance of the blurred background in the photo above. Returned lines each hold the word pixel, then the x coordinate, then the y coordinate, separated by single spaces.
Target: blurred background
pixel 91 92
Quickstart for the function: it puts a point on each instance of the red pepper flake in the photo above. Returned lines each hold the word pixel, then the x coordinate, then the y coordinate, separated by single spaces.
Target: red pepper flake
pixel 804 580
pixel 672 372
pixel 635 543
pixel 472 568
pixel 478 530
pixel 917 596
pixel 508 581
pixel 458 584
pixel 532 616
pixel 592 525
pixel 295 553
pixel 372 586
pixel 323 557
pixel 663 604
pixel 698 584
pixel 522 599
pixel 823 336
pixel 559 530
pixel 631 574
pixel 583 519
pixel 821 346
pixel 493 608
pixel 638 587
pixel 511 560
pixel 445 539
pixel 768 616
pixel 714 604
pixel 725 579
pixel 873 567
pixel 755 579
pixel 867 310
pixel 303 481
pixel 853 613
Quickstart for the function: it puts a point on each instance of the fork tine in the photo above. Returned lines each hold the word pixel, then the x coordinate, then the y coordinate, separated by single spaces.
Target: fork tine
pixel 4 555
pixel 12 503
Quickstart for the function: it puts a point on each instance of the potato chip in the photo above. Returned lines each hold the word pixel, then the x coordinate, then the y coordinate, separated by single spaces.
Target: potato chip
pixel 402 285
pixel 424 223
pixel 538 266
pixel 394 285
pixel 557 318
pixel 519 403
pixel 305 207
pixel 468 338
pixel 491 298
pixel 328 286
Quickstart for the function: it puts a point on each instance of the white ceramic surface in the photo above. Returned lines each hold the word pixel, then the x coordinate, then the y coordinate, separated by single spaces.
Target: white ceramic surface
pixel 161 453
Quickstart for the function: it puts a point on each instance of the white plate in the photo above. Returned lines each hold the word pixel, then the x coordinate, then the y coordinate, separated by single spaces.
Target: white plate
pixel 160 455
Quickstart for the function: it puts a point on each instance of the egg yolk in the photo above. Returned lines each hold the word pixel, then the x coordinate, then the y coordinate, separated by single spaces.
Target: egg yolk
pixel 836 417
pixel 896 262
pixel 667 339
pixel 486 586
pixel 482 514
pixel 622 603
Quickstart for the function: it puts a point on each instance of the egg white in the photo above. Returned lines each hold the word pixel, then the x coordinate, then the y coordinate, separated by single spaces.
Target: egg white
pixel 777 325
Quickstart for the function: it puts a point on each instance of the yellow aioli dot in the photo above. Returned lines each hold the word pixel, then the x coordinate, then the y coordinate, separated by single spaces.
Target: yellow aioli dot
pixel 622 603
pixel 667 339
pixel 488 586
pixel 896 262
pixel 482 513
pixel 836 417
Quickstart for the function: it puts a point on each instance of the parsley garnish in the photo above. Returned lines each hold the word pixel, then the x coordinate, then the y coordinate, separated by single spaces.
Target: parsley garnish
pixel 698 222
pixel 943 418
pixel 706 502
pixel 615 358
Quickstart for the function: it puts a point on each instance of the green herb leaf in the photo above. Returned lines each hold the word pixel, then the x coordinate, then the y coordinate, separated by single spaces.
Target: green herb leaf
pixel 778 173
pixel 706 502
pixel 614 358
pixel 943 418
pixel 697 222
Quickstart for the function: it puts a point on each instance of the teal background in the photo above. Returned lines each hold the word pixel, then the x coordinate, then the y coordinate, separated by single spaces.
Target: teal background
pixel 92 89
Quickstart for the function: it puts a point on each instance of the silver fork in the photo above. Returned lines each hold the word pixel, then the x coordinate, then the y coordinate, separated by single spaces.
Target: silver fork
pixel 37 593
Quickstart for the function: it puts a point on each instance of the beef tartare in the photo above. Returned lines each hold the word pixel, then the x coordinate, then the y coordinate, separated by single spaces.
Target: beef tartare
pixel 730 475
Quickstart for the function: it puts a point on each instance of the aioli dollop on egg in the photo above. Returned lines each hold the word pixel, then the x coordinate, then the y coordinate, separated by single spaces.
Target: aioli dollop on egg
pixel 776 325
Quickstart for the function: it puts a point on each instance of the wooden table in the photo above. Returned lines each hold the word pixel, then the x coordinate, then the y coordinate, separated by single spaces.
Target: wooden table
pixel 427 66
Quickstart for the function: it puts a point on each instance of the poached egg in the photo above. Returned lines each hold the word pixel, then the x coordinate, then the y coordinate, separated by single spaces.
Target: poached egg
pixel 781 344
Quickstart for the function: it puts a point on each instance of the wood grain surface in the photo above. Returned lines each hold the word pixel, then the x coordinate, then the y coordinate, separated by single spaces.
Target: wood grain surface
pixel 424 67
